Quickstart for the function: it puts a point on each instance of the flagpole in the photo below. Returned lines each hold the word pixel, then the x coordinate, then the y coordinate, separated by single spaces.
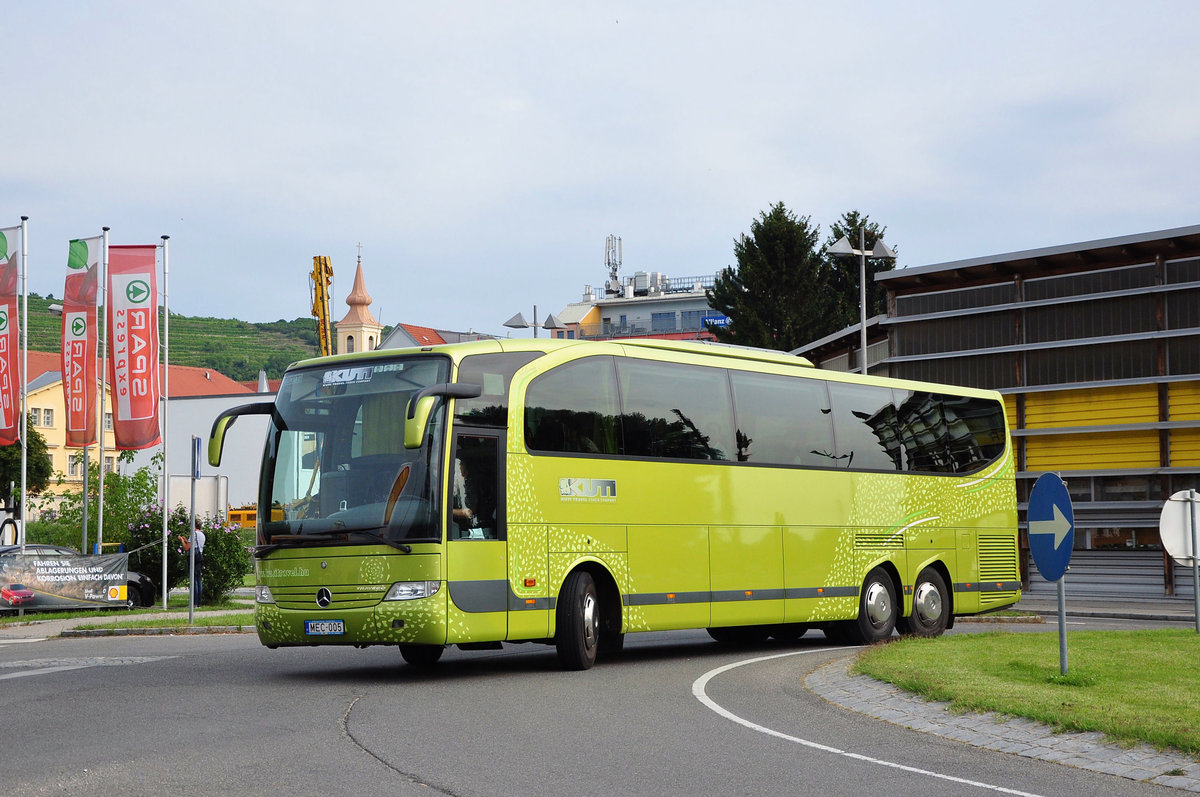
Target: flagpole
pixel 166 479
pixel 102 290
pixel 24 370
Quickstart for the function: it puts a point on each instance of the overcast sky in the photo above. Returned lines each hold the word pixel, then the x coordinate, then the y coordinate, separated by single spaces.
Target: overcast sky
pixel 482 152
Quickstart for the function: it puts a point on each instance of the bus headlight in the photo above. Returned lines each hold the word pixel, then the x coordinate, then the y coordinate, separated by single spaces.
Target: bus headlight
pixel 262 594
pixel 411 590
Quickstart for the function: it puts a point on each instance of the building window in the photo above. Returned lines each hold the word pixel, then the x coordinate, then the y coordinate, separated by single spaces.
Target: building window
pixel 108 464
pixel 349 344
pixel 691 320
pixel 662 322
pixel 75 465
pixel 108 421
pixel 47 417
pixel 35 416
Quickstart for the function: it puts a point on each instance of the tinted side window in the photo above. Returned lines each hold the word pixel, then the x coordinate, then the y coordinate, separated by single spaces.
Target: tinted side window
pixel 985 419
pixel 782 420
pixel 493 372
pixel 574 409
pixel 864 427
pixel 675 411
pixel 924 433
pixel 949 434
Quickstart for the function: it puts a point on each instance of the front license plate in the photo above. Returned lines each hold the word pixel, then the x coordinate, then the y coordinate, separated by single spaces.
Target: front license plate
pixel 324 627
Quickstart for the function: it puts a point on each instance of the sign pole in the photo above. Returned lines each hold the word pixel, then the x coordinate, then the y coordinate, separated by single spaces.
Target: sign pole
pixel 1193 496
pixel 1062 625
pixel 1051 540
pixel 1178 528
pixel 192 533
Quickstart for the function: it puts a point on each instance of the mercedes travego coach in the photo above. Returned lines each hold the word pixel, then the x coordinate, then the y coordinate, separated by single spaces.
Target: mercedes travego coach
pixel 571 492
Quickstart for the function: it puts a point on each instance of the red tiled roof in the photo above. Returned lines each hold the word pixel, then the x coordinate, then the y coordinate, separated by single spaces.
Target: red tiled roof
pixel 272 385
pixel 185 380
pixel 424 336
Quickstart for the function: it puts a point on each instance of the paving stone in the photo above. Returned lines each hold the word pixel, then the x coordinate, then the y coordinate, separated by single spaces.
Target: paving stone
pixel 1014 735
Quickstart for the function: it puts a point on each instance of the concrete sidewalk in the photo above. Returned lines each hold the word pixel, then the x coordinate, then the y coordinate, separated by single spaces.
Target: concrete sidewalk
pixel 36 630
pixel 1181 610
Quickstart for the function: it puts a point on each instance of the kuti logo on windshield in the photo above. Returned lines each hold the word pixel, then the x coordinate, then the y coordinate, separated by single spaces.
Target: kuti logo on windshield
pixel 604 490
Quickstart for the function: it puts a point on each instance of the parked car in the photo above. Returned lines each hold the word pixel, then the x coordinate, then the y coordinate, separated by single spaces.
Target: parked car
pixel 141 589
pixel 16 594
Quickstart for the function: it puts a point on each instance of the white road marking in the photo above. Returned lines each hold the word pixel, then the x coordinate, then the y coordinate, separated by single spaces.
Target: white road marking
pixel 47 666
pixel 43 671
pixel 698 690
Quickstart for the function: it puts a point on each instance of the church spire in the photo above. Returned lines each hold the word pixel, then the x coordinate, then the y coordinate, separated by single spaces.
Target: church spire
pixel 358 331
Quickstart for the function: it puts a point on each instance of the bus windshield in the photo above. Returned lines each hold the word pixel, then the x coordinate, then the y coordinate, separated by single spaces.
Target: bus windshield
pixel 335 469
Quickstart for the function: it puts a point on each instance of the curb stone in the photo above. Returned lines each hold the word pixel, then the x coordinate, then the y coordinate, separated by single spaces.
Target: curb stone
pixel 835 683
pixel 186 630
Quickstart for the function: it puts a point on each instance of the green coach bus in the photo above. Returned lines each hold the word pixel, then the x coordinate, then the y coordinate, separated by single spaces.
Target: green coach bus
pixel 570 492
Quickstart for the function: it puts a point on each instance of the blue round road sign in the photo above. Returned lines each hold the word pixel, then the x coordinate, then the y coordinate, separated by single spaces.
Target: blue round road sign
pixel 1051 526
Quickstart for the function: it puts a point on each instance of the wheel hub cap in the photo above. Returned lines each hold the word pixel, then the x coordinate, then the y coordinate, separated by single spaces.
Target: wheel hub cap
pixel 879 605
pixel 927 602
pixel 590 620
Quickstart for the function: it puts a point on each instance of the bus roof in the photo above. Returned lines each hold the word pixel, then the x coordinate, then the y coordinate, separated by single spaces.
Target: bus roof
pixel 706 348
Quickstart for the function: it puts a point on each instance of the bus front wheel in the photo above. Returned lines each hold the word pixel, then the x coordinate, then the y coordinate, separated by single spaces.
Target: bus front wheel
pixel 577 632
pixel 931 605
pixel 421 655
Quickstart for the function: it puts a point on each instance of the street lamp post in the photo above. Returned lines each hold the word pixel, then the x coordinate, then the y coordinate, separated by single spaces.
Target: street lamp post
pixel 518 322
pixel 843 249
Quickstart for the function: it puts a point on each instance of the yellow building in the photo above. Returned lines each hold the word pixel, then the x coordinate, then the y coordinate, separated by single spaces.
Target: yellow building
pixel 1096 348
pixel 47 411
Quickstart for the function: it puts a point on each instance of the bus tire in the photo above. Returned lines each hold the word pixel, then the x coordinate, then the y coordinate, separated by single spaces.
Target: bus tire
pixel 876 609
pixel 931 605
pixel 421 655
pixel 577 629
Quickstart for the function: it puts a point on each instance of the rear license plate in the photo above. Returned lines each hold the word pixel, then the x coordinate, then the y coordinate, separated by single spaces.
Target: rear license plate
pixel 324 627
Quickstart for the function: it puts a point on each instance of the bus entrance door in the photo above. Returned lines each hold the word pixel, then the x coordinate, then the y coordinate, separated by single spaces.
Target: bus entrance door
pixel 476 567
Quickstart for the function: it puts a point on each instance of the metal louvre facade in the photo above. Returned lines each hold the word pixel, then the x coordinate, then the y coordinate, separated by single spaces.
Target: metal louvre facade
pixel 1096 347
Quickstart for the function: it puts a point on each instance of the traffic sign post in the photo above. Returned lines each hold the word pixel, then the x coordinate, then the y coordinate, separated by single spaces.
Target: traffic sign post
pixel 1051 539
pixel 1178 528
pixel 192 533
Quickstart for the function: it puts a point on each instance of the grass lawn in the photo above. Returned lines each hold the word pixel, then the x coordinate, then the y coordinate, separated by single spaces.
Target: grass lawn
pixel 241 620
pixel 1133 686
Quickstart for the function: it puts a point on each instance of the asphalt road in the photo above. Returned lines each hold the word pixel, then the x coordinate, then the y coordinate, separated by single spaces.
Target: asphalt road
pixel 221 714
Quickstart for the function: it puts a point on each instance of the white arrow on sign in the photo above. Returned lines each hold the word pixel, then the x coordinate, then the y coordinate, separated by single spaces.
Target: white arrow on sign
pixel 1059 526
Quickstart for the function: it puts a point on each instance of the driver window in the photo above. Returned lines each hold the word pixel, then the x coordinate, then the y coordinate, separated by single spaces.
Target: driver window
pixel 475 510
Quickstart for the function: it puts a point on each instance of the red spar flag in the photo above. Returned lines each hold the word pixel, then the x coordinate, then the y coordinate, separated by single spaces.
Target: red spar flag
pixel 79 341
pixel 10 353
pixel 133 345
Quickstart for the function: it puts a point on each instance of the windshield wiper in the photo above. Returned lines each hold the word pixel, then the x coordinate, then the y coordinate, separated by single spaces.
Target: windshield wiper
pixel 262 550
pixel 278 540
pixel 399 546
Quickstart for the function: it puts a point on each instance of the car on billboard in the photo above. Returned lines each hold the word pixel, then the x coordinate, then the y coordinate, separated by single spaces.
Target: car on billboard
pixel 16 594
pixel 141 589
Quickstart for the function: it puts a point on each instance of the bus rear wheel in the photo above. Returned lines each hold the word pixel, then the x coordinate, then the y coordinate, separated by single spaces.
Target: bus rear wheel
pixel 876 609
pixel 421 655
pixel 577 632
pixel 931 605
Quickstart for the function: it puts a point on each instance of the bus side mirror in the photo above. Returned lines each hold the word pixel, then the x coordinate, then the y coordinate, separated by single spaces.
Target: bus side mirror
pixel 216 437
pixel 421 405
pixel 417 421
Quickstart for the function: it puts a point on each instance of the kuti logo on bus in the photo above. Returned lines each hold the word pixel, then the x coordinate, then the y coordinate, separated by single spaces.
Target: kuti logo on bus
pixel 588 489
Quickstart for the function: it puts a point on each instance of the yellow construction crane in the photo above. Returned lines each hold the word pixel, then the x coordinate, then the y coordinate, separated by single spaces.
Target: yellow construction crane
pixel 322 278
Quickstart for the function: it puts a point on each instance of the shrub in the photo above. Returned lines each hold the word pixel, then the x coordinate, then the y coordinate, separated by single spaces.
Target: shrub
pixel 226 558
